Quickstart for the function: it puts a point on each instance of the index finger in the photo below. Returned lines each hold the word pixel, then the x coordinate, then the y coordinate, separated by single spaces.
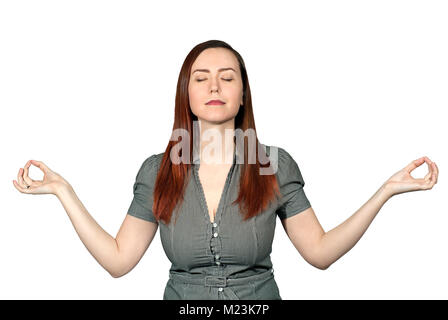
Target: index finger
pixel 414 164
pixel 25 172
pixel 436 171
pixel 40 165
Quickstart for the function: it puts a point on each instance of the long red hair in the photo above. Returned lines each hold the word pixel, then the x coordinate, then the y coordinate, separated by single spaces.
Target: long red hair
pixel 256 191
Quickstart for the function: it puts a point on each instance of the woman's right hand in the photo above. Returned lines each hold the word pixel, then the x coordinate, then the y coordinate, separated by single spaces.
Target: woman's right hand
pixel 51 183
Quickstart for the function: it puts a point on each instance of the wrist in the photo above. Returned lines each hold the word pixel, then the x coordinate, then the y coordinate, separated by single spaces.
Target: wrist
pixel 62 189
pixel 386 190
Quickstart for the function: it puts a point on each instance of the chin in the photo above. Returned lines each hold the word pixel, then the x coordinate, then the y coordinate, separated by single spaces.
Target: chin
pixel 216 120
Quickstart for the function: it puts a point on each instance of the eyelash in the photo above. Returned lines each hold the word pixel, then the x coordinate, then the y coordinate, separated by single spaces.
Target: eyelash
pixel 199 80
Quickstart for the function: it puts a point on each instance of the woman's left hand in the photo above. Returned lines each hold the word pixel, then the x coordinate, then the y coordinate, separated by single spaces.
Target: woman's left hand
pixel 402 181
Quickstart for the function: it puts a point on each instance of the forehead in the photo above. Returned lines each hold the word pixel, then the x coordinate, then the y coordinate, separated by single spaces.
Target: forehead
pixel 215 58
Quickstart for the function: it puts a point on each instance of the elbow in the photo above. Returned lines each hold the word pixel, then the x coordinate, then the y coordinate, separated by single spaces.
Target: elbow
pixel 320 260
pixel 115 274
pixel 118 268
pixel 119 272
pixel 322 266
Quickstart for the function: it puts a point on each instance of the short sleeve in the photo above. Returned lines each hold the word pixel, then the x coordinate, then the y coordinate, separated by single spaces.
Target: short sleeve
pixel 141 205
pixel 291 183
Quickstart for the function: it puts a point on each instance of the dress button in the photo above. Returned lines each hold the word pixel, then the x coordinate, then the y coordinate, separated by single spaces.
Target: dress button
pixel 215 224
pixel 215 234
pixel 220 289
pixel 217 256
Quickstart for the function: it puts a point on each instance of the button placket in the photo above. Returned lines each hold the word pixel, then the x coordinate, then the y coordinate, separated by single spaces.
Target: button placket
pixel 221 208
pixel 214 241
pixel 215 234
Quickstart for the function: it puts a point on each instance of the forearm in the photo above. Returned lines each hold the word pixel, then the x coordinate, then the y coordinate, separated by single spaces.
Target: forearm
pixel 98 242
pixel 338 241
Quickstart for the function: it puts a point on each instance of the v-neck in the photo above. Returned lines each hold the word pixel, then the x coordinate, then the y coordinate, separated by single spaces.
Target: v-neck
pixel 202 197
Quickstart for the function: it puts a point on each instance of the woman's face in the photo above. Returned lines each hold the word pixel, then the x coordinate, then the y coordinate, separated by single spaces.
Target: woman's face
pixel 212 84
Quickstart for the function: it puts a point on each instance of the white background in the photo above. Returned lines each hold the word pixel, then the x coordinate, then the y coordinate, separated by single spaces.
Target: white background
pixel 353 90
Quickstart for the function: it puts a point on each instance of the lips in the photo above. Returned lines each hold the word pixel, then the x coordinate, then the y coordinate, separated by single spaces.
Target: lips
pixel 215 102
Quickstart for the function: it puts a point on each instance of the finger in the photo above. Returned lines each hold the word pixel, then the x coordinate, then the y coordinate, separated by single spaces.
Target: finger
pixel 429 175
pixel 436 171
pixel 414 164
pixel 40 165
pixel 18 187
pixel 432 181
pixel 433 175
pixel 20 181
pixel 423 184
pixel 429 183
pixel 26 178
pixel 433 171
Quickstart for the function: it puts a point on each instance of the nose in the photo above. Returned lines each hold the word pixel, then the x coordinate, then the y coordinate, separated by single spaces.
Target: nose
pixel 214 84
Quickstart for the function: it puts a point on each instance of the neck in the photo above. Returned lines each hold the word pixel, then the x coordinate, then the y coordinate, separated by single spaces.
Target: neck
pixel 216 142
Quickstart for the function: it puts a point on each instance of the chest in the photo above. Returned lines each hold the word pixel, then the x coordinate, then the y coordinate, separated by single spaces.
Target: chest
pixel 213 179
pixel 192 241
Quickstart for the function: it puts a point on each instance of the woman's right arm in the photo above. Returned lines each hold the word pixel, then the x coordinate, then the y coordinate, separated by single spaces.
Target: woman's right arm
pixel 117 255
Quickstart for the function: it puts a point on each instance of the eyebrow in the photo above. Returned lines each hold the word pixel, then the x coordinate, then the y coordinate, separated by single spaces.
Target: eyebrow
pixel 206 70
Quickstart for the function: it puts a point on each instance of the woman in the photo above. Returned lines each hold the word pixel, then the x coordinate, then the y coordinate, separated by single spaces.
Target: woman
pixel 220 239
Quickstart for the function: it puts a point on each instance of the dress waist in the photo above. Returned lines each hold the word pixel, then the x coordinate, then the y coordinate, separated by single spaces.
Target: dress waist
pixel 220 281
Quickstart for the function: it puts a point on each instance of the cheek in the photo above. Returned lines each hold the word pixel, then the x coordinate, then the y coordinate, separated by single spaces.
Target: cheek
pixel 237 98
pixel 194 96
pixel 196 100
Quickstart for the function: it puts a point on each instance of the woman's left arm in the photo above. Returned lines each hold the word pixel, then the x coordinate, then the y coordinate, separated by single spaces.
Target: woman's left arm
pixel 336 242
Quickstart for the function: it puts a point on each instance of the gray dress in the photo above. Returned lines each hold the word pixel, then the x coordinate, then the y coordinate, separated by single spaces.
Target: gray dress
pixel 228 259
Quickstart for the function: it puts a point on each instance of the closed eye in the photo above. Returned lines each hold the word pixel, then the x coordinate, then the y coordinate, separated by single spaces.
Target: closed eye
pixel 199 80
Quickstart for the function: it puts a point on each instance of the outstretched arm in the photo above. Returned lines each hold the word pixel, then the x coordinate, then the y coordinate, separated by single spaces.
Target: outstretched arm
pixel 116 255
pixel 338 241
pixel 321 249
